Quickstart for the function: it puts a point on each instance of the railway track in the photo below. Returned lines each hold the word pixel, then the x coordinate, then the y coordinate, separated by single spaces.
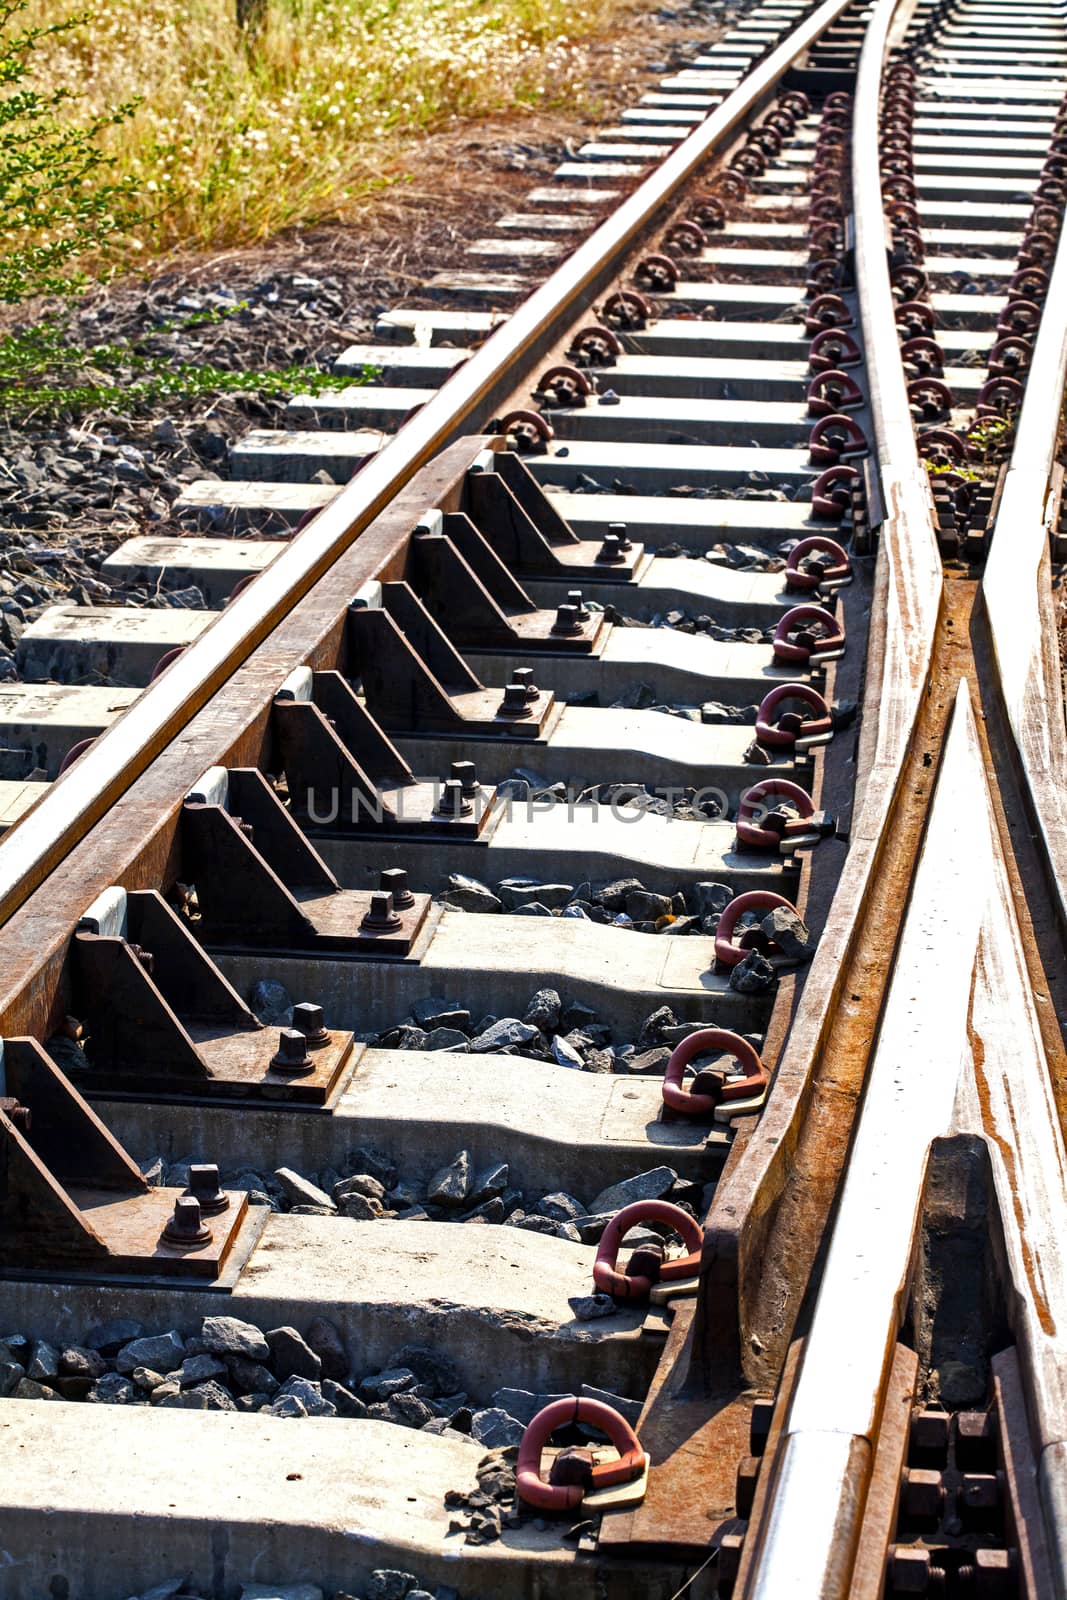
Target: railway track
pixel 630 807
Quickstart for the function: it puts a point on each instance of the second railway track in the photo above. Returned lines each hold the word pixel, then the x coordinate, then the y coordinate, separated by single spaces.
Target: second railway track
pixel 685 662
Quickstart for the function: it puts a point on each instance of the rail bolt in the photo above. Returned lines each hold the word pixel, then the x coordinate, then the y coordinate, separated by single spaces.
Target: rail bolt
pixel 979 1501
pixel 524 676
pixel 835 436
pixel 928 1438
pixel 568 620
pixel 186 1227
pixel 291 1056
pixel 394 881
pixel 637 1284
pixel 308 1020
pixel 611 551
pixel 565 1496
pixel 909 1571
pixel 729 954
pixel 574 598
pixel 515 702
pixel 467 775
pixel 204 1187
pixel 831 566
pixel 382 916
pixel 976 1441
pixel 775 809
pixel 922 1497
pixel 995 1574
pixel 619 530
pixel 595 347
pixel 452 802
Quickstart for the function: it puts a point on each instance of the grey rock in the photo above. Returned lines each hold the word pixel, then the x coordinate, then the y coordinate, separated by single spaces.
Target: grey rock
pixel 344 1402
pixel 451 1185
pixel 109 1337
pixel 44 1363
pixel 112 1389
pixel 144 1379
pixel 278 1591
pixel 429 1366
pixel 522 1404
pixel 470 895
pixel 495 1429
pixel 789 932
pixel 591 1307
pixel 213 1396
pixel 543 1010
pixel 168 1396
pixel 489 1183
pixel 76 1362
pixel 228 1336
pixel 165 1590
pixel 11 1375
pixel 649 1063
pixel 375 1163
pixel 165 1352
pixel 753 975
pixel 252 1377
pixel 600 1061
pixel 565 1053
pixel 630 1409
pixel 287 1405
pixel 531 1224
pixel 613 895
pixel 379 1386
pixel 651 1030
pixel 532 908
pixel 410 1409
pixel 326 1342
pixel 27 1389
pixel 388 1583
pixel 154 1171
pixel 436 1012
pixel 650 1185
pixel 644 906
pixel 360 1207
pixel 299 1192
pixel 198 1369
pixel 291 1356
pixel 507 1031
pixel 447 1039
pixel 561 1207
pixel 272 1003
pixel 310 1396
pixel 515 893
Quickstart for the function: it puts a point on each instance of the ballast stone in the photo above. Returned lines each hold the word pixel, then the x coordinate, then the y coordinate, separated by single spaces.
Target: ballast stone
pixel 229 1336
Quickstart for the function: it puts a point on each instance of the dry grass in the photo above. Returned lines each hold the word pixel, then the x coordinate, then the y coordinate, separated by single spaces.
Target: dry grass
pixel 236 140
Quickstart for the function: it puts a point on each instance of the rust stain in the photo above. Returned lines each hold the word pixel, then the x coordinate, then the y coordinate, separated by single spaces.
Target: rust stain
pixel 1044 1314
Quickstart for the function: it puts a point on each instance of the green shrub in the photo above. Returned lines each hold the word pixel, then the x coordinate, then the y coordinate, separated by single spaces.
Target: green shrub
pixel 55 198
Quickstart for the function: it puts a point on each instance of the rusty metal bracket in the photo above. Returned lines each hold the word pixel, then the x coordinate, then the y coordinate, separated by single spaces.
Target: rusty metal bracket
pixel 415 682
pixel 514 515
pixel 72 1200
pixel 261 883
pixel 344 774
pixel 473 597
pixel 160 1018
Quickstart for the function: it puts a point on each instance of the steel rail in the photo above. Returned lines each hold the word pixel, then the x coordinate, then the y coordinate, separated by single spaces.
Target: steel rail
pixel 806 1548
pixel 1017 592
pixel 76 801
pixel 907 601
pixel 959 1053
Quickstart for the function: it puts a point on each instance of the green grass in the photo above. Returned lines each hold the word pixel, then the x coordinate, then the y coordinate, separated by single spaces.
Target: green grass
pixel 44 376
pixel 235 138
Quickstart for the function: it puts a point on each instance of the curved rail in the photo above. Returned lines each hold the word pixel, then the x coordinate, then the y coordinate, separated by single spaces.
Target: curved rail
pixel 903 626
pixel 1017 592
pixel 78 800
